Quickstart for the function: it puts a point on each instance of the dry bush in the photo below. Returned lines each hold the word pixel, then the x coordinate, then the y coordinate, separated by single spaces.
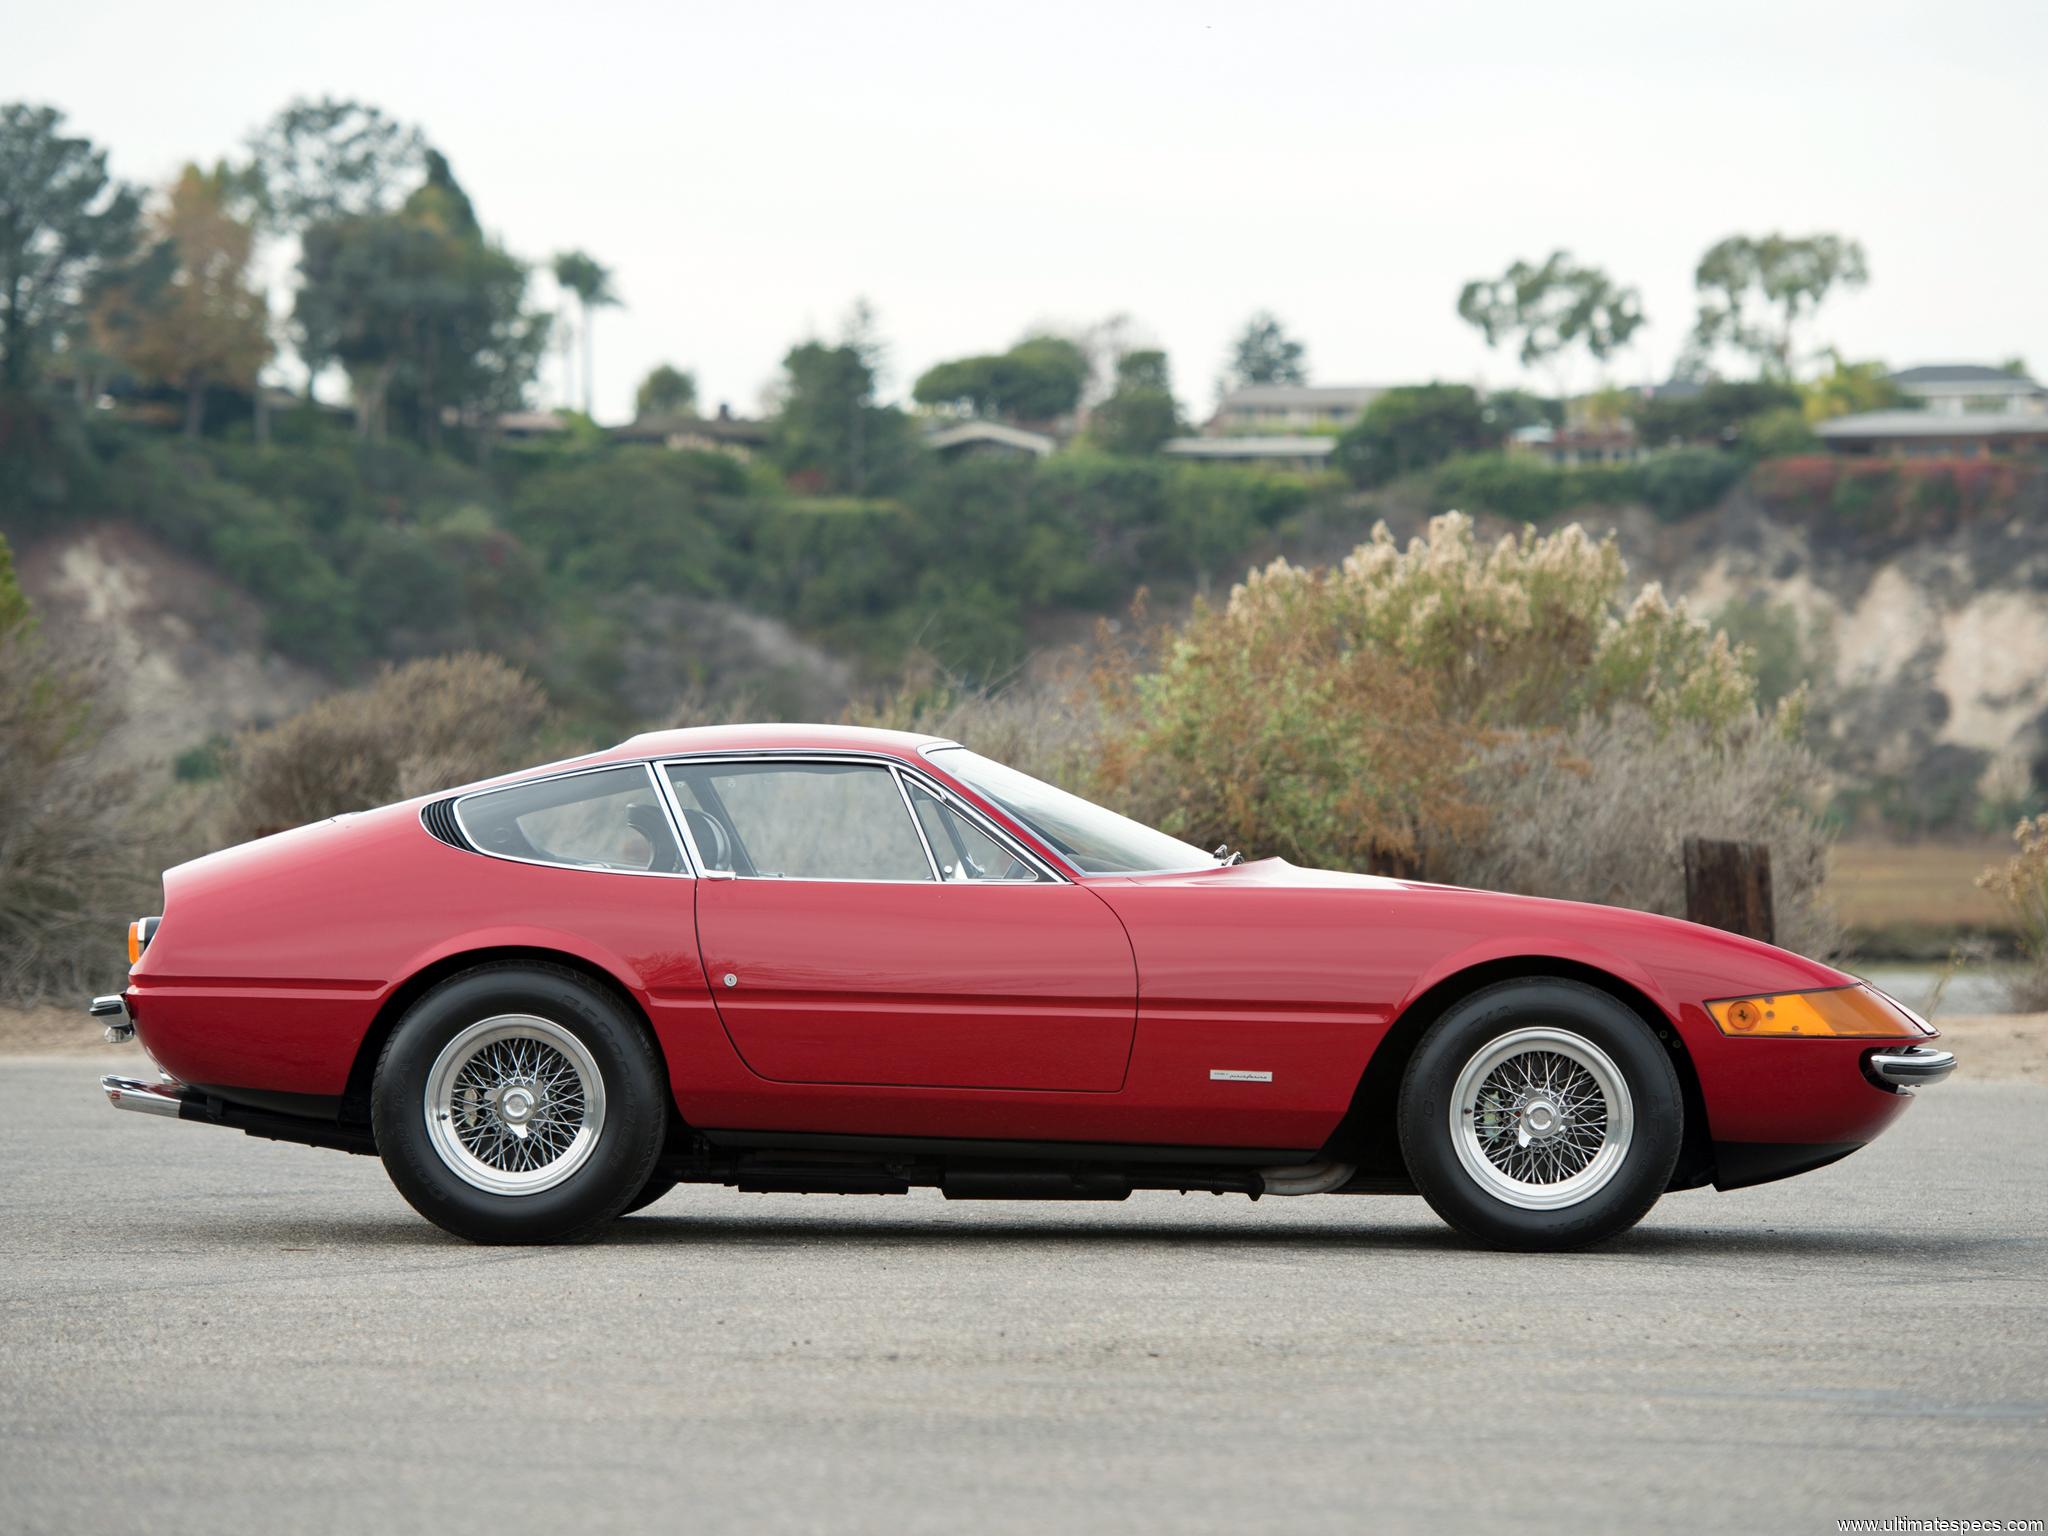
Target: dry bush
pixel 76 838
pixel 1053 728
pixel 1265 726
pixel 423 726
pixel 2022 884
pixel 1599 813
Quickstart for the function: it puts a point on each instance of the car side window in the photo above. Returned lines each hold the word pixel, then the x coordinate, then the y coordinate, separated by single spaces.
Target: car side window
pixel 963 850
pixel 610 819
pixel 800 821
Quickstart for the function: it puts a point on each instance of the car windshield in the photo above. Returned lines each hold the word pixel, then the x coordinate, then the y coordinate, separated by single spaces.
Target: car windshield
pixel 1093 840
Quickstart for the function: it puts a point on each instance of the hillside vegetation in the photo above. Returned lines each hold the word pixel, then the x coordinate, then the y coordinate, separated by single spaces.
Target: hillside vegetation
pixel 568 560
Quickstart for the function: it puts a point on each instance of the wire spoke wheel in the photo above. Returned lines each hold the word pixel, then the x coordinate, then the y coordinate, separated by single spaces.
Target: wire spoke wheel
pixel 1541 1118
pixel 514 1104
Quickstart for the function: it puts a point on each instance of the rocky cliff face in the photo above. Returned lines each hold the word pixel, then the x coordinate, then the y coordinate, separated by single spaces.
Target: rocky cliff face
pixel 184 650
pixel 1927 646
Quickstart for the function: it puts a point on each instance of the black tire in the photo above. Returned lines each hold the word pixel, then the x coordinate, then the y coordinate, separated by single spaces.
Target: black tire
pixel 656 1186
pixel 619 1160
pixel 1635 1177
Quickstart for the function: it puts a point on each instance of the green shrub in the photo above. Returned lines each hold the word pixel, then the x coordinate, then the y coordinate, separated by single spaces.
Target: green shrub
pixel 1684 481
pixel 1411 428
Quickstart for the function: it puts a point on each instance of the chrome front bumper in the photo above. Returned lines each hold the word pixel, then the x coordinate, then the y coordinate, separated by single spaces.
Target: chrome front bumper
pixel 1910 1066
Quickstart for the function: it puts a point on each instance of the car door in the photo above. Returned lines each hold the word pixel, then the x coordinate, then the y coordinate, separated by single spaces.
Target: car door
pixel 843 947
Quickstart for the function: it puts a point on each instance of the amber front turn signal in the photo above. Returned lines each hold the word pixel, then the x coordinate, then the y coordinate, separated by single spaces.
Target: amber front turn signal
pixel 1851 1013
pixel 139 934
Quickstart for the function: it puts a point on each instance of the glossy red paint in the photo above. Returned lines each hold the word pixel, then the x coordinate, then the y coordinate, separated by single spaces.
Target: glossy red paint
pixel 1092 1011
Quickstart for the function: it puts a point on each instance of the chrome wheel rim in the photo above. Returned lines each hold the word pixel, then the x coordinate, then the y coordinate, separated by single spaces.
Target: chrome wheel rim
pixel 514 1104
pixel 1542 1118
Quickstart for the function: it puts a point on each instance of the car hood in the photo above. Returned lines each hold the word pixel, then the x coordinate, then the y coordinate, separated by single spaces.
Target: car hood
pixel 1475 924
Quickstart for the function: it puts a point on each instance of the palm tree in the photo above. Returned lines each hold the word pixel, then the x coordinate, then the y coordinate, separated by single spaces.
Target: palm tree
pixel 583 276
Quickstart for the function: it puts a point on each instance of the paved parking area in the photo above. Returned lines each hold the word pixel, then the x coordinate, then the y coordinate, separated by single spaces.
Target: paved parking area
pixel 199 1331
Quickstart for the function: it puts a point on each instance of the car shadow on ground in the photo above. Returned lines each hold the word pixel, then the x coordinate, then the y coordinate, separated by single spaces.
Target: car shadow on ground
pixel 967 1230
pixel 1662 1242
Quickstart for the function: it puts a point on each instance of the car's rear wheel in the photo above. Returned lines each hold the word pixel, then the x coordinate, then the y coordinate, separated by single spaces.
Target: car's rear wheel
pixel 519 1104
pixel 1541 1114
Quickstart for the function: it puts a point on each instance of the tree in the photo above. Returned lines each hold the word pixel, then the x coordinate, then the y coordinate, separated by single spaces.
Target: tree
pixel 1555 308
pixel 1140 413
pixel 202 323
pixel 326 161
pixel 1038 379
pixel 1718 413
pixel 1266 354
pixel 1756 291
pixel 422 310
pixel 318 161
pixel 830 435
pixel 1848 387
pixel 666 391
pixel 591 282
pixel 63 221
pixel 1411 428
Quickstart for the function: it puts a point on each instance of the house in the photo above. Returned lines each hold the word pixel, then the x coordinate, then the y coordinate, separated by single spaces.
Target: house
pixel 1970 389
pixel 1299 453
pixel 1266 409
pixel 1938 433
pixel 1578 443
pixel 988 439
pixel 736 436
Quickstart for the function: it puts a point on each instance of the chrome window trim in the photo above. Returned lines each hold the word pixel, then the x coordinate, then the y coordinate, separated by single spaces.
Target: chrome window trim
pixel 916 826
pixel 936 788
pixel 1066 864
pixel 690 864
pixel 949 801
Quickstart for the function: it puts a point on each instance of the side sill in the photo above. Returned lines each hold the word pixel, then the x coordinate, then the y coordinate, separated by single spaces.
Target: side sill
pixel 1036 1151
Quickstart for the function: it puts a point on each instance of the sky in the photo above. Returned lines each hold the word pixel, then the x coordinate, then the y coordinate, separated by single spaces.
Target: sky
pixel 973 170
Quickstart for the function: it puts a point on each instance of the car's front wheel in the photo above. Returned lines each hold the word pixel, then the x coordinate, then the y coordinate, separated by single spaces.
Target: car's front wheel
pixel 1541 1114
pixel 519 1104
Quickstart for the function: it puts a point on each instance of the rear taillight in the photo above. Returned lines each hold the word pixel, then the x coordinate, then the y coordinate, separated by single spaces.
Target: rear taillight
pixel 140 932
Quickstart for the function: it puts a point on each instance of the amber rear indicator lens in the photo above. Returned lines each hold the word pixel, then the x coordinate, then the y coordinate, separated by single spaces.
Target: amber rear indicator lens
pixel 139 934
pixel 1839 1013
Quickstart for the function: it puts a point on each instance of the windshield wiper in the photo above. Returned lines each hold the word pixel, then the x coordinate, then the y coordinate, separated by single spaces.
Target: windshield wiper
pixel 1225 857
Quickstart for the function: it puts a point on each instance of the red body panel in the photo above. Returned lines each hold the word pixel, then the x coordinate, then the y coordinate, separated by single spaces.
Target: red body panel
pixel 940 1010
pixel 937 986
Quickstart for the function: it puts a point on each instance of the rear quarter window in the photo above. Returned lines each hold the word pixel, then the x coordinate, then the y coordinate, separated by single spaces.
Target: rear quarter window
pixel 610 819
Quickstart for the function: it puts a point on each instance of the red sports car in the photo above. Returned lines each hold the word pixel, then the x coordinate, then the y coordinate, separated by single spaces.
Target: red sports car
pixel 805 958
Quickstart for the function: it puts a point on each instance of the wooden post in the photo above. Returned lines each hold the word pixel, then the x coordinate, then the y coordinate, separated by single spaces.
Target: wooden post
pixel 1728 885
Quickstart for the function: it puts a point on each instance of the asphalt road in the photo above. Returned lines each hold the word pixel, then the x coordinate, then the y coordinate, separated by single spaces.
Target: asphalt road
pixel 199 1331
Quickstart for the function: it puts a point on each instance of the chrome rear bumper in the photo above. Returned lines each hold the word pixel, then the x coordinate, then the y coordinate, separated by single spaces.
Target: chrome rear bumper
pixel 1910 1066
pixel 146 1098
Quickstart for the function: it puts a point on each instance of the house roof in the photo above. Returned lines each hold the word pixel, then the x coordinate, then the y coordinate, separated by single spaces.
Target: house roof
pixel 962 433
pixel 1250 447
pixel 724 429
pixel 1306 396
pixel 1870 424
pixel 1963 373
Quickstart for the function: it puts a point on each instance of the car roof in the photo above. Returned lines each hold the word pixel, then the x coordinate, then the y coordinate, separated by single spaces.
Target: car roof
pixel 770 737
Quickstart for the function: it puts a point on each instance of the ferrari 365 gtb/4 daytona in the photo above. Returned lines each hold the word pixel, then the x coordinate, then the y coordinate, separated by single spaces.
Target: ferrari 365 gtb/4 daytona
pixel 805 958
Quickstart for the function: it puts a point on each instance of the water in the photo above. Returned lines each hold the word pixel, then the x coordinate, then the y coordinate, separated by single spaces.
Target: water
pixel 1972 989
